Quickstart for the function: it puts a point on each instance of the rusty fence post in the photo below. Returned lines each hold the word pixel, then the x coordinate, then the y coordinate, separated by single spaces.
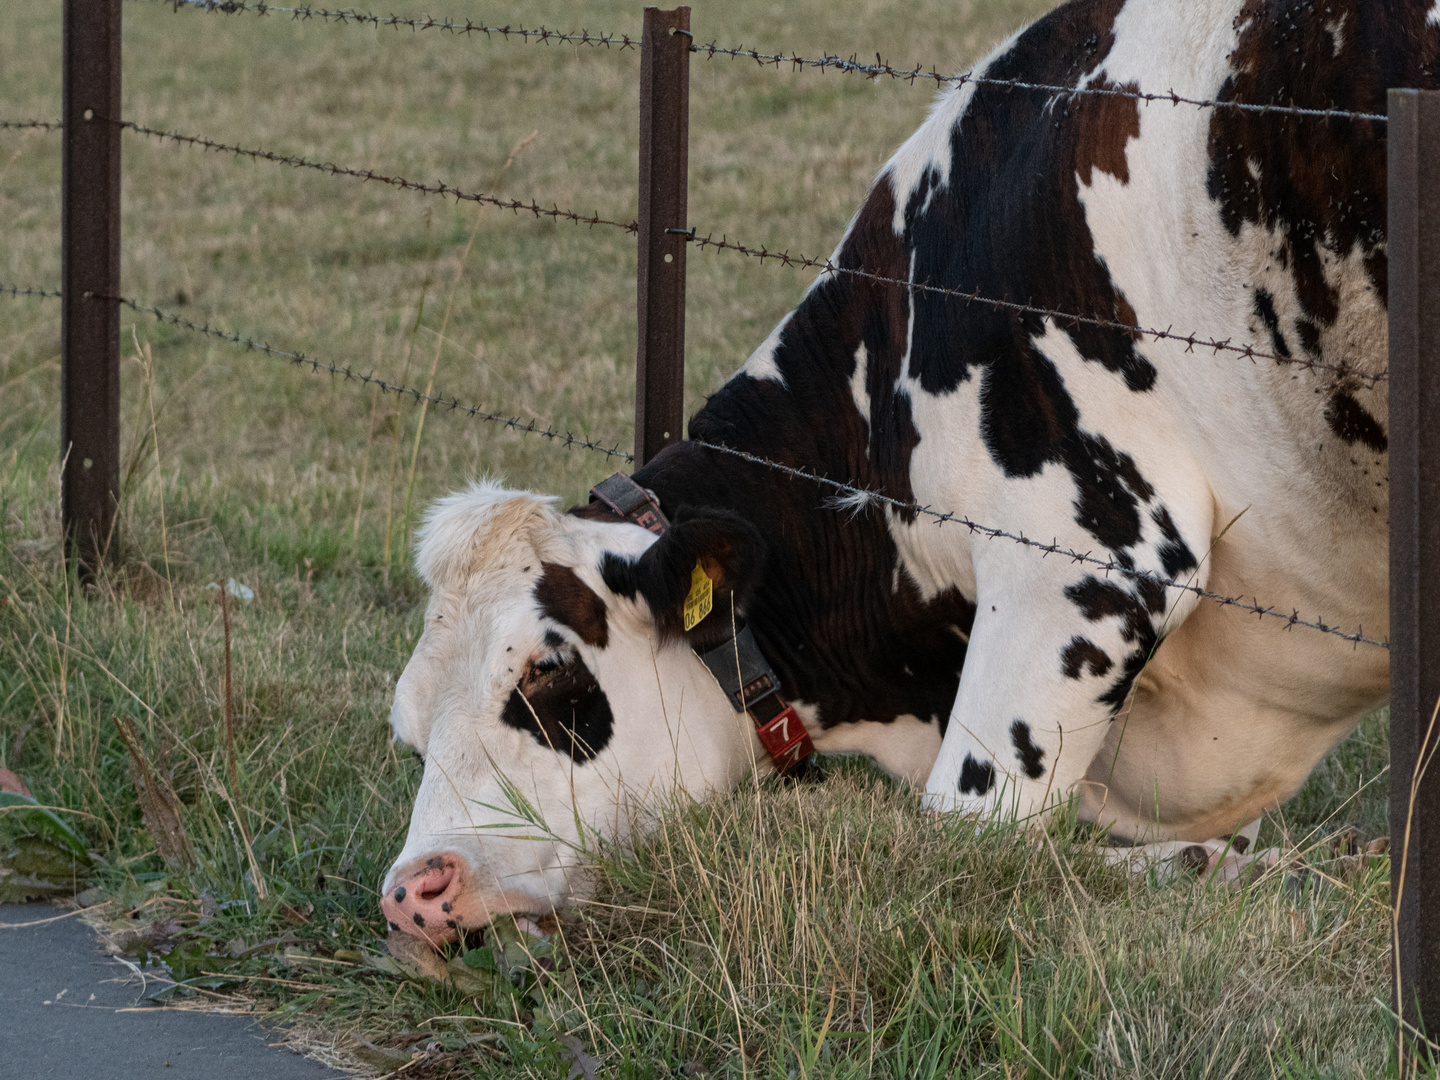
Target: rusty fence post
pixel 1414 299
pixel 90 279
pixel 660 275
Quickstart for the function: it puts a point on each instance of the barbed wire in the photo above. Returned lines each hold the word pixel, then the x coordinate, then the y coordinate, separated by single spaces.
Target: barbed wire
pixel 881 68
pixel 711 50
pixel 1052 548
pixel 43 125
pixel 869 495
pixel 534 34
pixel 349 374
pixel 439 187
pixel 17 290
pixel 1191 341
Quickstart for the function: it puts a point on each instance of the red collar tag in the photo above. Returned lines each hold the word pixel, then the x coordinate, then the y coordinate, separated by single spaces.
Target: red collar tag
pixel 736 664
pixel 785 739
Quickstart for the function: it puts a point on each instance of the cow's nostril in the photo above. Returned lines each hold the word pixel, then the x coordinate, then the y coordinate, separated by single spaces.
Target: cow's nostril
pixel 435 886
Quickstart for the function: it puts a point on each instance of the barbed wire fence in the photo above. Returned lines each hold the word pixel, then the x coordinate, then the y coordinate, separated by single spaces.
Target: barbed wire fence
pixel 690 236
pixel 865 496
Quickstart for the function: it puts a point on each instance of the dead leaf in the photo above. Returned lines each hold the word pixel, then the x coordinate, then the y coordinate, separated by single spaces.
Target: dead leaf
pixel 298 916
pixel 378 1057
pixel 581 1063
pixel 159 805
pixel 415 954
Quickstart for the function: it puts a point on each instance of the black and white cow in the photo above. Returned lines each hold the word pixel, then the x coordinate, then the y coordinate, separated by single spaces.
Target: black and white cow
pixel 554 669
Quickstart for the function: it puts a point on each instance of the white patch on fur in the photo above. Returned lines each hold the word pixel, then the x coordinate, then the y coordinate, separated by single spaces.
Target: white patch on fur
pixel 942 467
pixel 761 364
pixel 859 387
pixel 910 319
pixel 1433 19
pixel 1336 29
pixel 472 528
pixel 905 747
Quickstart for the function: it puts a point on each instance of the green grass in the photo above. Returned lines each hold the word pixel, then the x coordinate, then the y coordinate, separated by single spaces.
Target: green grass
pixel 829 930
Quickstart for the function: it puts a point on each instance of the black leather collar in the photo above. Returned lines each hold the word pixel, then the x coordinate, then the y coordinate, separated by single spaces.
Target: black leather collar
pixel 749 682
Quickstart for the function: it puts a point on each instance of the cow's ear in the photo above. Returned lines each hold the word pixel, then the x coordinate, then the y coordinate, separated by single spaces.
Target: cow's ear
pixel 727 548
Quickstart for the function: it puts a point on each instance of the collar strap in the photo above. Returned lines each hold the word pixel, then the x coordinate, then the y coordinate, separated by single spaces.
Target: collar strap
pixel 753 687
pixel 749 682
pixel 631 502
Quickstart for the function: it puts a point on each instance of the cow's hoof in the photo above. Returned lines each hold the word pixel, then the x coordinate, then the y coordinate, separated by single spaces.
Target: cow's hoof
pixel 1195 859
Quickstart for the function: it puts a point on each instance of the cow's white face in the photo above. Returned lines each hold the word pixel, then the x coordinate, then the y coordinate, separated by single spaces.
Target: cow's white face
pixel 535 699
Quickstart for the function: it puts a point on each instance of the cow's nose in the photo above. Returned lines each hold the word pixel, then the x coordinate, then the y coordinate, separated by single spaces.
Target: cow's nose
pixel 420 898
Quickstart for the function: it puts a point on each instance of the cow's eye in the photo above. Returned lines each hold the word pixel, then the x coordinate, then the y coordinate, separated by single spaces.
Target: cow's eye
pixel 553 662
pixel 545 669
pixel 559 701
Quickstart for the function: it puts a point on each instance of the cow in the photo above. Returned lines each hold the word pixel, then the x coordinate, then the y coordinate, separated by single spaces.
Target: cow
pixel 578 669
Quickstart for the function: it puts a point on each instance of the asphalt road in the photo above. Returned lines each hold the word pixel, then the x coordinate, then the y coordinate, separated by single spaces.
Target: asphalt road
pixel 67 1010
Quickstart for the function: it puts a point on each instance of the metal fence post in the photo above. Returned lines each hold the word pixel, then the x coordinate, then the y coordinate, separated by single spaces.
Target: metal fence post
pixel 90 277
pixel 1414 299
pixel 660 279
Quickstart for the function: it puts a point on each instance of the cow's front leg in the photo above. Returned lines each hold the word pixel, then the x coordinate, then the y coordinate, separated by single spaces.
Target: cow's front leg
pixel 1053 654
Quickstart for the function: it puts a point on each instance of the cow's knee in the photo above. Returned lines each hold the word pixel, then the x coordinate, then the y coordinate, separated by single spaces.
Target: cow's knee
pixel 1042 685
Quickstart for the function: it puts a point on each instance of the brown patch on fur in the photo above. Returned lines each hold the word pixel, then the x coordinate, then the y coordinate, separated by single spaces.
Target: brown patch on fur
pixel 569 601
pixel 1105 126
pixel 1125 312
pixel 1320 183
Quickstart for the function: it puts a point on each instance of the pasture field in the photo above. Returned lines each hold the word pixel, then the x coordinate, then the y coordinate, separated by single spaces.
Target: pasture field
pixel 823 930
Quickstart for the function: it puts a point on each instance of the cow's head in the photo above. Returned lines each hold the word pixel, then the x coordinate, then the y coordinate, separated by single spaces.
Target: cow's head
pixel 554 694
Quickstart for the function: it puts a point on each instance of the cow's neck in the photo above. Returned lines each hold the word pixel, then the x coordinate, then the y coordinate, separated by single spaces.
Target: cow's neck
pixel 846 633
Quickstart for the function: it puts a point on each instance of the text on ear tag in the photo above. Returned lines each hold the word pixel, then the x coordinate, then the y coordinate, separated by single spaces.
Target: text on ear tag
pixel 701 597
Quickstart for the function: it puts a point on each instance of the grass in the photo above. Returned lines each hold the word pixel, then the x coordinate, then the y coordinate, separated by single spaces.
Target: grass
pixel 828 930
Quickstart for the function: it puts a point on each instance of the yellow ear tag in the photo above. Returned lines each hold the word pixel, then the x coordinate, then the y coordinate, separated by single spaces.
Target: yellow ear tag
pixel 701 598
